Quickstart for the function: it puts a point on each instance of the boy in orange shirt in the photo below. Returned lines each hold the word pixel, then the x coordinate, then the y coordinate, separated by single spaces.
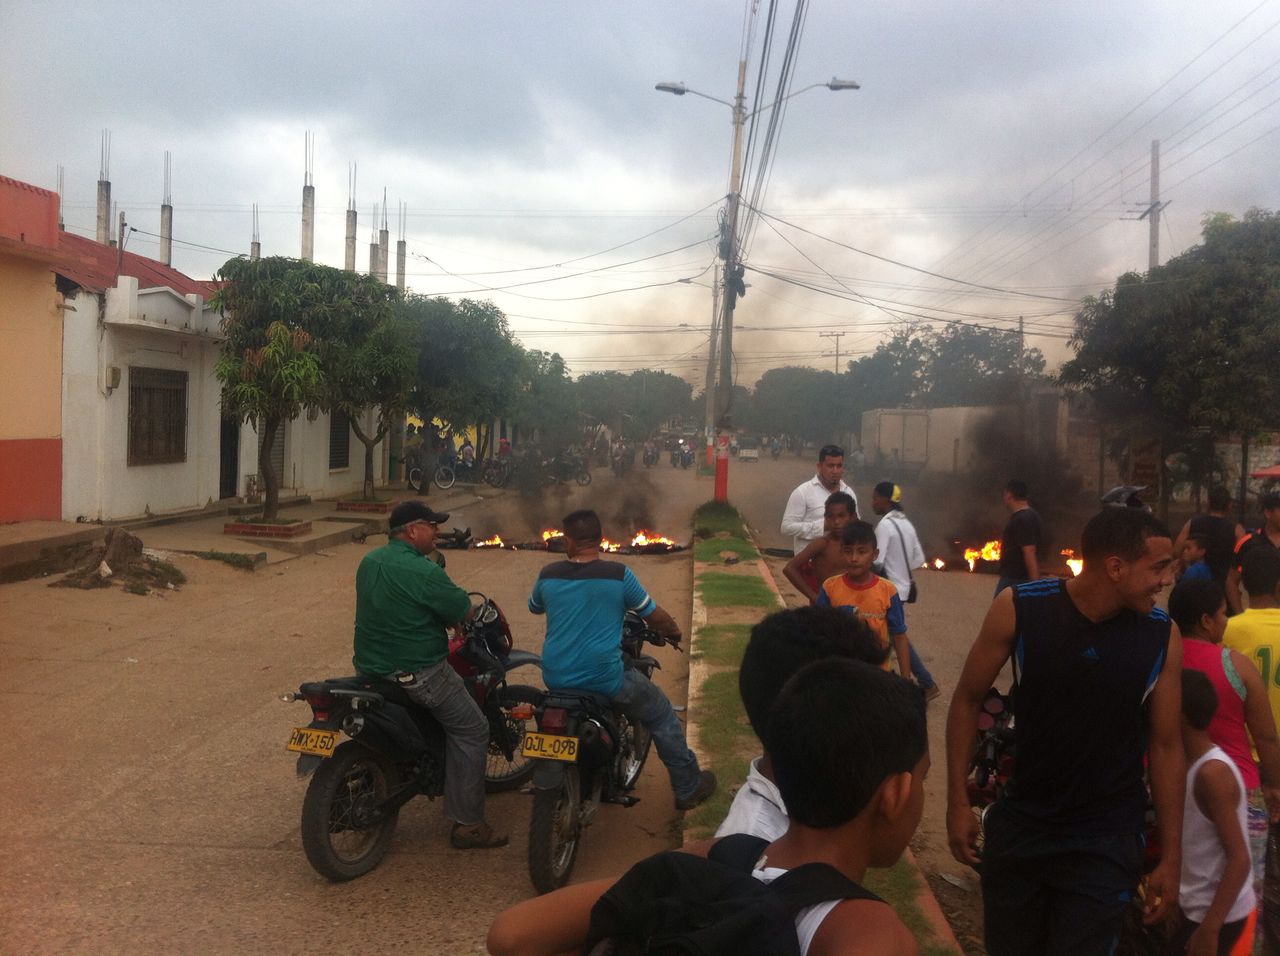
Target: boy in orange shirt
pixel 822 558
pixel 863 593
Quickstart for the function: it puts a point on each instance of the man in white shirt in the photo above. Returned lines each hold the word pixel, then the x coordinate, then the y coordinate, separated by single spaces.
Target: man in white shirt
pixel 900 551
pixel 802 518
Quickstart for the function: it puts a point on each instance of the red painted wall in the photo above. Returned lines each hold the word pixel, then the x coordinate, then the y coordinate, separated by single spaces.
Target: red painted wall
pixel 31 479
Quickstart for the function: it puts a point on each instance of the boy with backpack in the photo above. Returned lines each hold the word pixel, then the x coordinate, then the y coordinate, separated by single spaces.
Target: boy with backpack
pixel 849 747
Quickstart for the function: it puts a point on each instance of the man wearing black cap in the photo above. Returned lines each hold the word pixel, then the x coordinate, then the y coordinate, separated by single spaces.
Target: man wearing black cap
pixel 404 603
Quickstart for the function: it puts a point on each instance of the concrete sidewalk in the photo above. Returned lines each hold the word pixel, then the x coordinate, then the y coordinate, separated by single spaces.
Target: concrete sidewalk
pixel 32 548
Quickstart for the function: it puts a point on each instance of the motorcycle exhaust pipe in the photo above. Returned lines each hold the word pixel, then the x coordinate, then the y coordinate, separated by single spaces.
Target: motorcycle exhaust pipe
pixel 352 724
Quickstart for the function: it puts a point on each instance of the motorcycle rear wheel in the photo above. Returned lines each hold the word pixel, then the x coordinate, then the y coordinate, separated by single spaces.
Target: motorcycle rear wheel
pixel 554 831
pixel 633 751
pixel 499 772
pixel 445 477
pixel 355 779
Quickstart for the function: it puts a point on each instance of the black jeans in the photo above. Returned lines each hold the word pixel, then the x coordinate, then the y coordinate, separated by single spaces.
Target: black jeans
pixel 1047 892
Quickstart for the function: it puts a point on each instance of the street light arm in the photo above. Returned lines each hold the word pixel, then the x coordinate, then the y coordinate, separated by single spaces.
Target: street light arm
pixel 833 84
pixel 679 89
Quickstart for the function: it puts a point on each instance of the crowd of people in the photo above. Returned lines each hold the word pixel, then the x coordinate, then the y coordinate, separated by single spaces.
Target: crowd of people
pixel 1121 708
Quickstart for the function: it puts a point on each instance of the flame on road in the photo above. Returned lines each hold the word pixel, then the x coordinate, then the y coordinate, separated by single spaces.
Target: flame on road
pixel 644 539
pixel 608 546
pixel 988 552
pixel 492 542
pixel 939 564
pixel 1075 564
pixel 552 533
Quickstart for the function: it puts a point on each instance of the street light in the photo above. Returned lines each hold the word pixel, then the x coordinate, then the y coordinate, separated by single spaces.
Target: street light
pixel 732 273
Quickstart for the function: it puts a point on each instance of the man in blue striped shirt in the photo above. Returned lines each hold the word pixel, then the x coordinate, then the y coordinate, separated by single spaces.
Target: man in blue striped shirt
pixel 585 600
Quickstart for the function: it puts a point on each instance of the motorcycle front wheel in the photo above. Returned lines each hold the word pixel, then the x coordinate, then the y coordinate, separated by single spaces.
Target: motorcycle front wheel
pixel 499 772
pixel 583 478
pixel 346 787
pixel 554 831
pixel 445 477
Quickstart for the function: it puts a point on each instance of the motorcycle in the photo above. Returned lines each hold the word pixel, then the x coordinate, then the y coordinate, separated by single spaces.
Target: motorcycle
pixel 586 753
pixel 396 749
pixel 497 472
pixel 686 456
pixel 650 457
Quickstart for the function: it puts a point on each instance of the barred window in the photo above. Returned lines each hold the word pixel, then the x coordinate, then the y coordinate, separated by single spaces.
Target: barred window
pixel 339 440
pixel 157 416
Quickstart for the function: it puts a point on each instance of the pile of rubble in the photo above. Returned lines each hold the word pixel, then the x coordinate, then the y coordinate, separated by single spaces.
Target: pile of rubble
pixel 121 559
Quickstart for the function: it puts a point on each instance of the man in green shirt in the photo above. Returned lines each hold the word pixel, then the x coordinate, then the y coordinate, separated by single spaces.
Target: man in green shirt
pixel 404 605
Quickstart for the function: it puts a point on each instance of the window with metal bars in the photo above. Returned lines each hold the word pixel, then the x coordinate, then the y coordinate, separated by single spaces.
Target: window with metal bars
pixel 339 440
pixel 157 416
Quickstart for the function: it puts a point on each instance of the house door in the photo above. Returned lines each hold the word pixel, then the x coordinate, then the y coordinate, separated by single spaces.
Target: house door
pixel 229 458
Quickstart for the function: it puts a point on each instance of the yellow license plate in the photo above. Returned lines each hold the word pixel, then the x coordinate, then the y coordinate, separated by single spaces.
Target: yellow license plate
pixel 308 740
pixel 550 746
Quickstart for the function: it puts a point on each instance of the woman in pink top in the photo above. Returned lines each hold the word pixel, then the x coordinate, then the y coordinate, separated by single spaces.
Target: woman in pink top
pixel 1199 608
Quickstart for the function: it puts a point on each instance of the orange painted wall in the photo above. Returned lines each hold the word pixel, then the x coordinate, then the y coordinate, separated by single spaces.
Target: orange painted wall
pixel 31 479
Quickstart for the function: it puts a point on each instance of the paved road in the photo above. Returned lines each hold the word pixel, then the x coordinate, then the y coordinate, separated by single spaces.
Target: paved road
pixel 150 805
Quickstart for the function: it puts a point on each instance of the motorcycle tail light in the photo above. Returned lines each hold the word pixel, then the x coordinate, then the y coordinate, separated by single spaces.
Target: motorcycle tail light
pixel 320 701
pixel 554 718
pixel 522 711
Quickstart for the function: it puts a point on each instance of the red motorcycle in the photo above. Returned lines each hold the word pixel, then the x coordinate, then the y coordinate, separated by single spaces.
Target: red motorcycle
pixel 395 749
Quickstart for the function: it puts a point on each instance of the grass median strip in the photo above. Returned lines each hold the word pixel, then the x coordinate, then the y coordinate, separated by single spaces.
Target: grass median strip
pixel 719 589
pixel 720 645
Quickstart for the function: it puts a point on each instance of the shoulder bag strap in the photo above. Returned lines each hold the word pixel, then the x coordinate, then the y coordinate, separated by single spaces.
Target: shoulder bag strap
pixel 903 545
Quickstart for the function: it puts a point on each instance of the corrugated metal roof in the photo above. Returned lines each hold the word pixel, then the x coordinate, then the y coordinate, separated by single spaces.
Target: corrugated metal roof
pixel 94 268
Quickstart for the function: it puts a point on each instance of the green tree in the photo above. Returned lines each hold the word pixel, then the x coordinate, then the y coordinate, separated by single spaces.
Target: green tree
pixel 1191 347
pixel 802 401
pixel 890 377
pixel 967 365
pixel 549 405
pixel 470 368
pixel 269 368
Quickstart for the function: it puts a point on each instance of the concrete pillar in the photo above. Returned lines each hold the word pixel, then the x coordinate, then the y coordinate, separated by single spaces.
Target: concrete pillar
pixel 103 234
pixel 308 222
pixel 350 264
pixel 374 255
pixel 255 250
pixel 384 252
pixel 166 234
pixel 402 253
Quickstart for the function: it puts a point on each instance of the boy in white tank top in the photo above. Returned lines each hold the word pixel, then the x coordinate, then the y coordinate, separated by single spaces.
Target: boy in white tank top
pixel 1215 893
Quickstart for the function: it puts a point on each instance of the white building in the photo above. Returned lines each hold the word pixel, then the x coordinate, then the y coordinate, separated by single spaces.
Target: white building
pixel 142 426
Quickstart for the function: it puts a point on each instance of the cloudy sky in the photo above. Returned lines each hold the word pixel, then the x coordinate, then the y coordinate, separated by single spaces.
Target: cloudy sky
pixel 1003 144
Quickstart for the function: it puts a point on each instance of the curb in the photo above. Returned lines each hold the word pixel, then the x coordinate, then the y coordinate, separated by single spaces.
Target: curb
pixel 925 900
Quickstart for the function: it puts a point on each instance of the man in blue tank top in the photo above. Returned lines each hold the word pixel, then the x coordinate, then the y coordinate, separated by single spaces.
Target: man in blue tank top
pixel 1096 685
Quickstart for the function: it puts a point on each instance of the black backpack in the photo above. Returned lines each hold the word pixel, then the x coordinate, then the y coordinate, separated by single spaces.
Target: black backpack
pixel 677 903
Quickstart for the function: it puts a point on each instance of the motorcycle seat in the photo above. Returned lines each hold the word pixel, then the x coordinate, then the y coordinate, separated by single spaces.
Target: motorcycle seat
pixel 569 696
pixel 391 691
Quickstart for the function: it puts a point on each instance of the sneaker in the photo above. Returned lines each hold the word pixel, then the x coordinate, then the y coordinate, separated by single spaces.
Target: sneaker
pixel 706 787
pixel 932 692
pixel 478 837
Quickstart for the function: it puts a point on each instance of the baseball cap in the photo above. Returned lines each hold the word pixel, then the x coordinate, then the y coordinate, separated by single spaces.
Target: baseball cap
pixel 408 512
pixel 887 489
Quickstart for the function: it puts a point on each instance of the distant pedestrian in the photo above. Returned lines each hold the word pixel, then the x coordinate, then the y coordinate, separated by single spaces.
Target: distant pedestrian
pixel 1266 538
pixel 1220 534
pixel 900 551
pixel 803 517
pixel 1020 543
pixel 1194 567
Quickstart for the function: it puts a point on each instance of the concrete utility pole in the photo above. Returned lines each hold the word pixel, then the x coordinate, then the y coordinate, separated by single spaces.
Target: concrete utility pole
pixel 308 203
pixel 255 246
pixel 402 248
pixel 837 336
pixel 709 390
pixel 1153 210
pixel 374 250
pixel 384 241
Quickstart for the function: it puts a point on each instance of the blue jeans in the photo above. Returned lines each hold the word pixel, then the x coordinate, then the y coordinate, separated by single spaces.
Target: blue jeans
pixel 466 739
pixel 642 700
pixel 923 677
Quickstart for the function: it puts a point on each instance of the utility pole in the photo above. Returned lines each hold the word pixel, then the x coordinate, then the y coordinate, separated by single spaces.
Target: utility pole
pixel 1154 208
pixel 837 336
pixel 709 390
pixel 733 287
